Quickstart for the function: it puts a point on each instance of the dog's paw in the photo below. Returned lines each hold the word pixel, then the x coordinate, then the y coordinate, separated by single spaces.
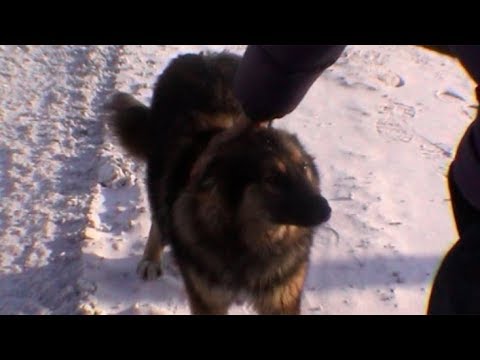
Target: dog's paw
pixel 149 270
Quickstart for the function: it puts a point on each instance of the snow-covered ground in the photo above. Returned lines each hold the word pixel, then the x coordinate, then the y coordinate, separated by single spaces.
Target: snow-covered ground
pixel 383 124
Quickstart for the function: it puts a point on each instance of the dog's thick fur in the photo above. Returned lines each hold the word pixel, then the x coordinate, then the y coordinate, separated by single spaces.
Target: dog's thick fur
pixel 247 227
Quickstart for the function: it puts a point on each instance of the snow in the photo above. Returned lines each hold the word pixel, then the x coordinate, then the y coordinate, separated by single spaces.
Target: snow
pixel 383 124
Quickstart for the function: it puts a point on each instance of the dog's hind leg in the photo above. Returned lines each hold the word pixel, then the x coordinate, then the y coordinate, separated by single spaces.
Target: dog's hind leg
pixel 150 267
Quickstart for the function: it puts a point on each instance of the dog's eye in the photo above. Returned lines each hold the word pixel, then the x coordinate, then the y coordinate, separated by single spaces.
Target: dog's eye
pixel 207 183
pixel 273 178
pixel 305 166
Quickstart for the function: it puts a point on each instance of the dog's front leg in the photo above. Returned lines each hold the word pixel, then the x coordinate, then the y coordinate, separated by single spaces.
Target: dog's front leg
pixel 150 267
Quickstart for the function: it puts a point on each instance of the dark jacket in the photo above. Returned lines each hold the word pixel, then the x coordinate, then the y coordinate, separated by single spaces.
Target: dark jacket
pixel 272 80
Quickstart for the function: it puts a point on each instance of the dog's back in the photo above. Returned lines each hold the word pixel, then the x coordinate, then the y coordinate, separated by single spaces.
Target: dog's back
pixel 192 96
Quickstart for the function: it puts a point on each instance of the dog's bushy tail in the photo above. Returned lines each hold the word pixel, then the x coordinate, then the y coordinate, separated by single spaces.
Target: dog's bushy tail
pixel 130 122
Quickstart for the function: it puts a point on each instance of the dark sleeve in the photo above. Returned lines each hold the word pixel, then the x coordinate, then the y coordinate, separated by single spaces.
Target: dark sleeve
pixel 272 80
pixel 466 166
pixel 469 56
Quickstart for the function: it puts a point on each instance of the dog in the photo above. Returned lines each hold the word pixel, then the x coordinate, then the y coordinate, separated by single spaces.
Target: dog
pixel 246 228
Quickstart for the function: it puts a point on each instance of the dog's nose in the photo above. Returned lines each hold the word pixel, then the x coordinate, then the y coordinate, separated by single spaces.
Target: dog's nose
pixel 324 211
pixel 312 210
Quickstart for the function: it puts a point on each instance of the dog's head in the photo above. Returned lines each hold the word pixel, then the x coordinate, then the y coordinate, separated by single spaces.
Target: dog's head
pixel 268 169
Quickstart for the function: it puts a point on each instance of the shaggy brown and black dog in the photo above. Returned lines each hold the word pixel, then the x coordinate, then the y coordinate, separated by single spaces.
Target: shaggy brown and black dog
pixel 245 228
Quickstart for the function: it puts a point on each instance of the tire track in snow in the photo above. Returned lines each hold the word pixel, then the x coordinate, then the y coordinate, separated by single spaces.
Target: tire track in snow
pixel 51 133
